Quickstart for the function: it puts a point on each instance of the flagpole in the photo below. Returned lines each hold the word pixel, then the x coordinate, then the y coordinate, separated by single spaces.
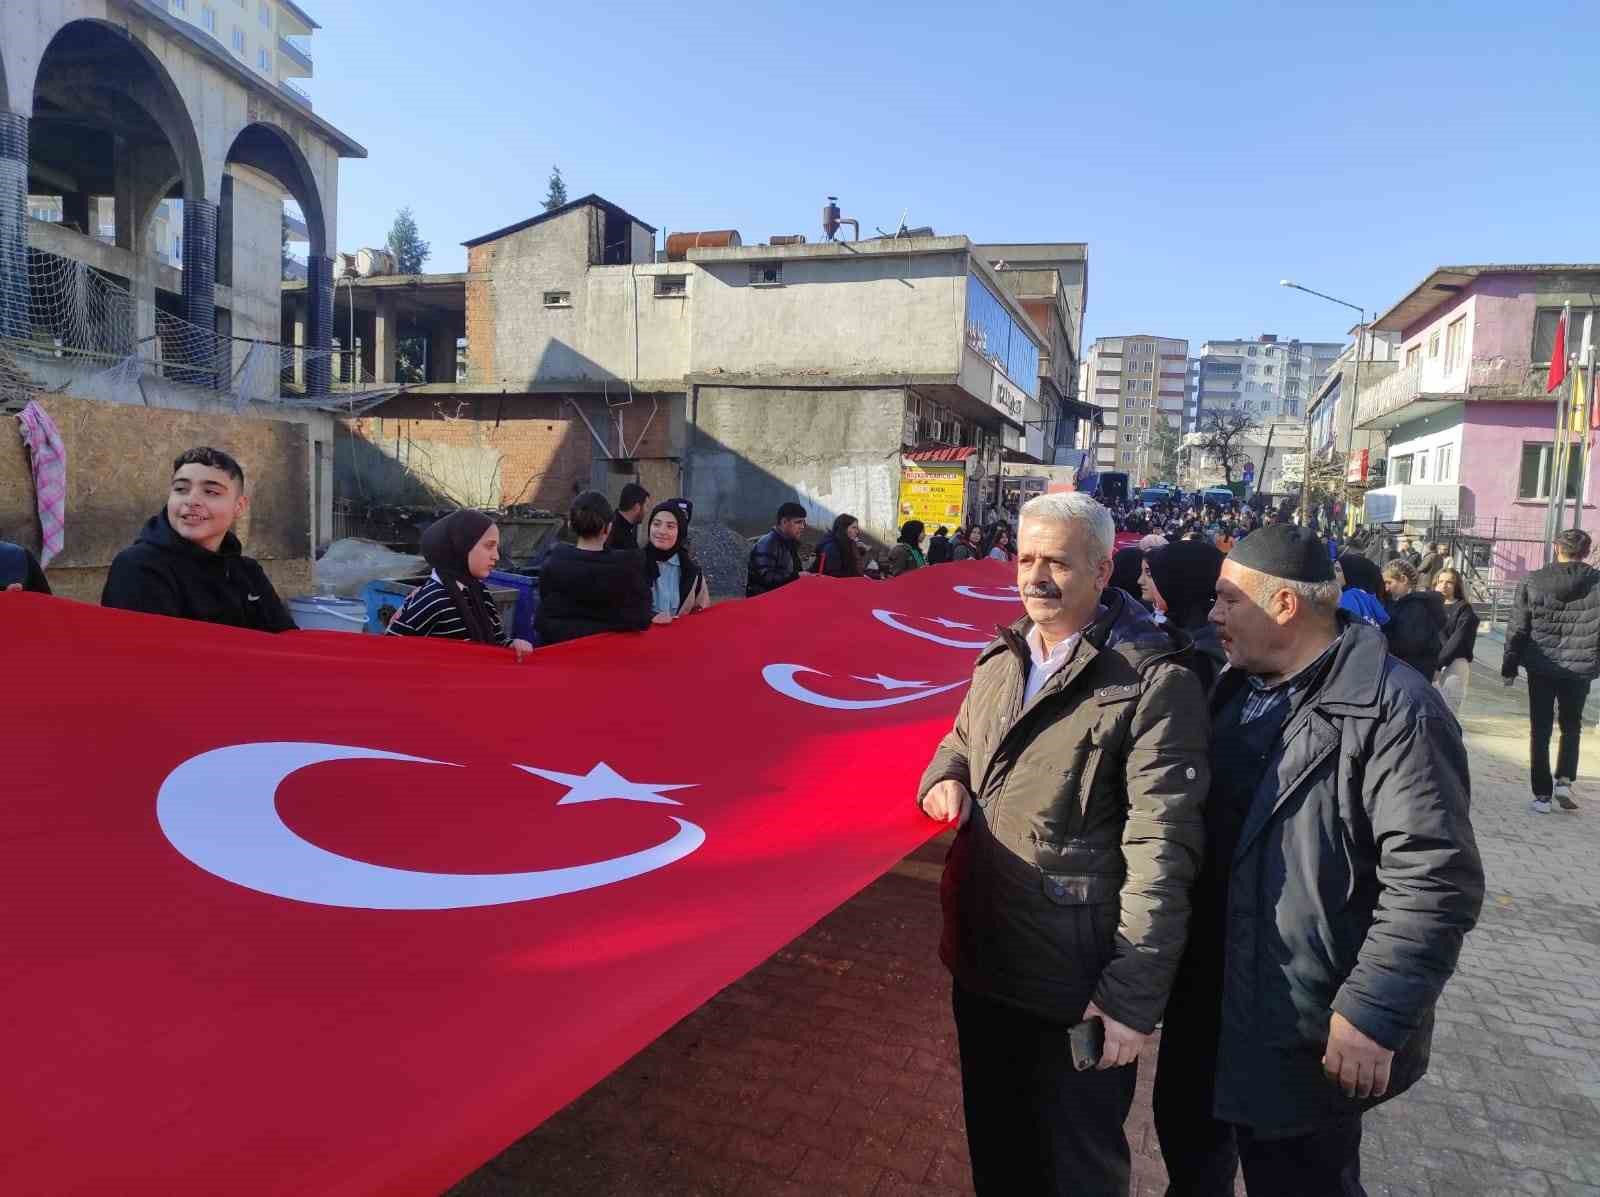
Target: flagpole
pixel 1552 511
pixel 1588 414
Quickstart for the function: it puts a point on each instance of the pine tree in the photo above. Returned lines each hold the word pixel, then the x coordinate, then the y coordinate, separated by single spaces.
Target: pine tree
pixel 410 250
pixel 557 194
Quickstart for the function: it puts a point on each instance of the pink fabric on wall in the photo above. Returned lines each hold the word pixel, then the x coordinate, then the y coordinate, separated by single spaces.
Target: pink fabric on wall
pixel 49 459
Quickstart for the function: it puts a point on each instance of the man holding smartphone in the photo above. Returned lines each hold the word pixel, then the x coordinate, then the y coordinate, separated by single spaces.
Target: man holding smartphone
pixel 1076 772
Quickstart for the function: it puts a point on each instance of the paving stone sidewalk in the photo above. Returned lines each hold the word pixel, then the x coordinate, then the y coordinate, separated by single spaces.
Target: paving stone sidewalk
pixel 831 1069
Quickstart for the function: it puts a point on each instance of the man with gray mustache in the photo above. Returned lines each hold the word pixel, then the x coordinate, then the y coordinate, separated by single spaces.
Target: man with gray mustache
pixel 1075 772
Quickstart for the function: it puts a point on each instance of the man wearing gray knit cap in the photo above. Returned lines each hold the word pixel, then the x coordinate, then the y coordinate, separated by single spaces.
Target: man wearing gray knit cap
pixel 1340 878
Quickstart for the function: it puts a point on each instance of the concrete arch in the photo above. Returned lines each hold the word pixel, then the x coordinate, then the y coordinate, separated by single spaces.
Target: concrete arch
pixel 71 65
pixel 271 149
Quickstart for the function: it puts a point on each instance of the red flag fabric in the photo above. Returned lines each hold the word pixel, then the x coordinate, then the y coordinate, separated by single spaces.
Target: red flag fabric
pixel 1558 355
pixel 330 914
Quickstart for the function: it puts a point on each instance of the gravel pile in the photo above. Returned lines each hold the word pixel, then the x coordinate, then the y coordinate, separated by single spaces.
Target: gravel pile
pixel 723 554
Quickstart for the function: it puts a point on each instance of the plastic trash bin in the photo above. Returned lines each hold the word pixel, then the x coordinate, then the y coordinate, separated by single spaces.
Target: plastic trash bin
pixel 326 613
pixel 384 598
pixel 527 590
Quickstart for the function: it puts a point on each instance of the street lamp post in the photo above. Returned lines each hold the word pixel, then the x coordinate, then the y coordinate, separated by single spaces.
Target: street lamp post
pixel 1350 425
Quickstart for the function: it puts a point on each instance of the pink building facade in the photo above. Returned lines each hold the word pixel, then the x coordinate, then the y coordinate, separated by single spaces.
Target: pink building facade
pixel 1466 427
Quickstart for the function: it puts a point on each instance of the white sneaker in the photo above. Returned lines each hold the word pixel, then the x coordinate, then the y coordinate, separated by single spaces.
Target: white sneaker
pixel 1563 795
pixel 1540 806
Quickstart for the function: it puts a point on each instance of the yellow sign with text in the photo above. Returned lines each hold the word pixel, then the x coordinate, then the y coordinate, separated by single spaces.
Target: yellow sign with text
pixel 933 496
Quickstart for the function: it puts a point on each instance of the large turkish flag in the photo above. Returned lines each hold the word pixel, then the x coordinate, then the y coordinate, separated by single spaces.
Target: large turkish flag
pixel 330 914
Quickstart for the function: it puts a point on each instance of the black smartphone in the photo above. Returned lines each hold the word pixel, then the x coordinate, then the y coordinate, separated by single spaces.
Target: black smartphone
pixel 1087 1041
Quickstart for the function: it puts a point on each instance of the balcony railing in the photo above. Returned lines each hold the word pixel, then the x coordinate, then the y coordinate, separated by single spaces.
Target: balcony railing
pixel 297 49
pixel 298 95
pixel 1387 394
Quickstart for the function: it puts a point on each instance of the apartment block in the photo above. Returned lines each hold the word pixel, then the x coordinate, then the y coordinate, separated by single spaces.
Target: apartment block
pixel 1136 382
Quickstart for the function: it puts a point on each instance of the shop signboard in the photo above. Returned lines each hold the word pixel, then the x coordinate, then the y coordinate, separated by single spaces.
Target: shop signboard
pixel 934 496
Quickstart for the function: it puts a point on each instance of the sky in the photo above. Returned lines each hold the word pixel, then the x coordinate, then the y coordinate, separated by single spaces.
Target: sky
pixel 1203 150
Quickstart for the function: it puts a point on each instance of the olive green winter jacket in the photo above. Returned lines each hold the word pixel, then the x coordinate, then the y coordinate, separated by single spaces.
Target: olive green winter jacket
pixel 1071 880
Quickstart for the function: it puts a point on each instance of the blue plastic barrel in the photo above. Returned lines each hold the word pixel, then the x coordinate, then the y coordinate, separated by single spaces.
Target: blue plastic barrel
pixel 527 589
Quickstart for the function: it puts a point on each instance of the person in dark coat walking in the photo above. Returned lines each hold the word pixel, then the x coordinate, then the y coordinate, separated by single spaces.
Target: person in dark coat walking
pixel 839 555
pixel 1341 875
pixel 1074 772
pixel 586 588
pixel 1554 634
pixel 1416 619
pixel 1460 635
pixel 188 563
pixel 939 546
pixel 775 559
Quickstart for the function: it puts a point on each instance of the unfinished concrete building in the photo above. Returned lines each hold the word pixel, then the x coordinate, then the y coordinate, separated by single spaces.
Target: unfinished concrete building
pixel 739 375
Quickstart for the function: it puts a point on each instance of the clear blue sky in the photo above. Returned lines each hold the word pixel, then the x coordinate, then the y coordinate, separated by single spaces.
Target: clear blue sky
pixel 1203 149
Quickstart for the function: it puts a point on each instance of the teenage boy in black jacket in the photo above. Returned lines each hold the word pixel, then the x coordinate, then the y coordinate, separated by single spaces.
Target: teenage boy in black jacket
pixel 188 563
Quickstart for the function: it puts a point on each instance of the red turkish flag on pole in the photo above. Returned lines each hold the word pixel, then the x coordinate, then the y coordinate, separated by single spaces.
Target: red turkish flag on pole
pixel 345 915
pixel 1558 354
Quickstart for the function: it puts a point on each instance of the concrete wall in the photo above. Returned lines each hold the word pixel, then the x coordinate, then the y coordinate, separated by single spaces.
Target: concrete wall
pixel 1491 458
pixel 630 332
pixel 833 451
pixel 257 255
pixel 514 339
pixel 119 462
pixel 877 314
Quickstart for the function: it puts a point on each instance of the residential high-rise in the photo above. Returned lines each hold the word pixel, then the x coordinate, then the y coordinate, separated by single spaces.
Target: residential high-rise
pixel 1137 382
pixel 1265 377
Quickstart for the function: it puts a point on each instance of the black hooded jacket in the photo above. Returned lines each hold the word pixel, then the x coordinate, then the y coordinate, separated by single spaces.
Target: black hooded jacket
pixel 161 573
pixel 1416 630
pixel 584 592
pixel 1555 623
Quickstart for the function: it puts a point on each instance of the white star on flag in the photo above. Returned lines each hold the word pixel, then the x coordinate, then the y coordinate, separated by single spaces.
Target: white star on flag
pixel 892 683
pixel 603 782
pixel 950 623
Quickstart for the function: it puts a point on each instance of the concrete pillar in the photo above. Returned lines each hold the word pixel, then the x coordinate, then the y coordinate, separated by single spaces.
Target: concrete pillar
pixel 14 289
pixel 319 298
pixel 384 326
pixel 200 288
pixel 139 183
pixel 442 353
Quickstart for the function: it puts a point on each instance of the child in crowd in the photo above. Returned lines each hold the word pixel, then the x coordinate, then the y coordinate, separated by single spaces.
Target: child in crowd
pixel 188 563
pixel 453 603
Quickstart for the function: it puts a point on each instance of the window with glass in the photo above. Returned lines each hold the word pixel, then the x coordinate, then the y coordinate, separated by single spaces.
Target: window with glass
pixel 1420 473
pixel 1455 343
pixel 1400 470
pixel 1413 356
pixel 1446 471
pixel 993 333
pixel 1544 332
pixel 263 60
pixel 1433 344
pixel 265 12
pixel 238 40
pixel 1535 479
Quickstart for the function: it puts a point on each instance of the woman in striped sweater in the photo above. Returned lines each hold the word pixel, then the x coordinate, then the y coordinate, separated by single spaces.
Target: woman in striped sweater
pixel 453 603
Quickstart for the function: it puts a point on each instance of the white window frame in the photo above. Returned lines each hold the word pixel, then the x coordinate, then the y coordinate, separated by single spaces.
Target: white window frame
pixel 208 19
pixel 264 14
pixel 1455 344
pixel 558 299
pixel 238 43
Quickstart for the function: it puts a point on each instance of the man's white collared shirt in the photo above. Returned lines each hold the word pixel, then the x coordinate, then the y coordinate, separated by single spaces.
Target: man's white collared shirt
pixel 1045 665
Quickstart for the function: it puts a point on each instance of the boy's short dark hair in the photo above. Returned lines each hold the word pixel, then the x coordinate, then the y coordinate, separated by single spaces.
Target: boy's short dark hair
pixel 632 495
pixel 1574 544
pixel 212 459
pixel 791 511
pixel 591 514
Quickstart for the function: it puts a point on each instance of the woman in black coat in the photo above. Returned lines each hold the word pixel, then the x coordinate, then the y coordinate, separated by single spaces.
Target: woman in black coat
pixel 1416 619
pixel 1460 634
pixel 586 588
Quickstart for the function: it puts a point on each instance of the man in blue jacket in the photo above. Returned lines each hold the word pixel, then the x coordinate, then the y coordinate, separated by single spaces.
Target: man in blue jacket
pixel 1341 875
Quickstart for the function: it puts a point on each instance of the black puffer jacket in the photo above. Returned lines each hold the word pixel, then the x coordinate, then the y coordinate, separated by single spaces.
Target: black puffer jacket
pixel 1355 879
pixel 161 573
pixel 1555 623
pixel 774 562
pixel 584 592
pixel 1460 633
pixel 1071 880
pixel 1416 630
